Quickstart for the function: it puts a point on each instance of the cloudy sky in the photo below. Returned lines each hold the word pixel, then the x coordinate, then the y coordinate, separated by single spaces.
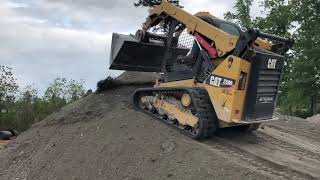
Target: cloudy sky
pixel 44 39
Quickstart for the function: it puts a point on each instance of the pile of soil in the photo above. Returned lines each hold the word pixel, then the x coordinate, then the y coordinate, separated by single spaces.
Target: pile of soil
pixel 314 119
pixel 128 79
pixel 309 127
pixel 103 137
pixel 138 77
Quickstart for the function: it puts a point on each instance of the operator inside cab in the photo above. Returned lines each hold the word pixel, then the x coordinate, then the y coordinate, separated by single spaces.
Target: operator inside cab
pixel 225 26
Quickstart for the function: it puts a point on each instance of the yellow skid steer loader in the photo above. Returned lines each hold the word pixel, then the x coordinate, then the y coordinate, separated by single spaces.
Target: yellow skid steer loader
pixel 213 73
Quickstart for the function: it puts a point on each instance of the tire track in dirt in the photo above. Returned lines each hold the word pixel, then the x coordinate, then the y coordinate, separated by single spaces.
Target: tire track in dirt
pixel 254 162
pixel 294 143
pixel 309 135
pixel 297 126
pixel 300 158
pixel 276 156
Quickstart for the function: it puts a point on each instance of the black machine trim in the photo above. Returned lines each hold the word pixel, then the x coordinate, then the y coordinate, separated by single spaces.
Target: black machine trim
pixel 263 86
pixel 247 38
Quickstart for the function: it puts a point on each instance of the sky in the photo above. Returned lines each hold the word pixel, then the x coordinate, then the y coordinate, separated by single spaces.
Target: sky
pixel 45 39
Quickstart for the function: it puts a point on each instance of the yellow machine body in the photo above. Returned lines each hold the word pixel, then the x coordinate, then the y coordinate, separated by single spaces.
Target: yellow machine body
pixel 236 73
pixel 228 102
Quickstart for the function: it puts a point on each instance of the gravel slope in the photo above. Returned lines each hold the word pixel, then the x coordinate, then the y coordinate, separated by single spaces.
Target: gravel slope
pixel 103 137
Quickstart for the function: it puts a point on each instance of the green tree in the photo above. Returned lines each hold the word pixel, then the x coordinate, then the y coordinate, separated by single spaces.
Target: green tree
pixel 305 74
pixel 8 88
pixel 26 112
pixel 278 20
pixel 55 94
pixel 241 15
pixel 75 90
pixel 61 91
pixel 300 86
pixel 20 108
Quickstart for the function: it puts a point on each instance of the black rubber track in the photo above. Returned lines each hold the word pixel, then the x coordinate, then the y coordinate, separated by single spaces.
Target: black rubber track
pixel 201 107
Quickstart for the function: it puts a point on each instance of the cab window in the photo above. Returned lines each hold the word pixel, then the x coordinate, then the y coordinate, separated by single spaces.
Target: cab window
pixel 230 29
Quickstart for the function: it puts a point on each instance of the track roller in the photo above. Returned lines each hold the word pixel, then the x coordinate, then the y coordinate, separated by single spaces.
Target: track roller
pixel 186 109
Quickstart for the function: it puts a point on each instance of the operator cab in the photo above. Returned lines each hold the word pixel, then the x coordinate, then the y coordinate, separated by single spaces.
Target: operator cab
pixel 183 71
pixel 225 26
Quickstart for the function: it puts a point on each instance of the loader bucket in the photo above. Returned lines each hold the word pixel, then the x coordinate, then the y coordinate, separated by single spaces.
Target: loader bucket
pixel 129 54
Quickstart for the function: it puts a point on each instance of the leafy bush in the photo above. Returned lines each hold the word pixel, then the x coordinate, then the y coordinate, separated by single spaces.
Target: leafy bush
pixel 20 108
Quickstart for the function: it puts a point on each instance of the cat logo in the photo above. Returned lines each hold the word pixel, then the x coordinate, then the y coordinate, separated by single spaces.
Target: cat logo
pixel 272 63
pixel 219 81
pixel 215 81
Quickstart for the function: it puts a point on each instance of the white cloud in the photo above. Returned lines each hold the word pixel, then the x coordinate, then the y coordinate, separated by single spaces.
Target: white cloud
pixel 43 39
pixel 40 53
pixel 216 8
pixel 14 5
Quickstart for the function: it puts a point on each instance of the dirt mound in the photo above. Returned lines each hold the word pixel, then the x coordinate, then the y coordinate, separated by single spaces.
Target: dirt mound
pixel 138 77
pixel 314 119
pixel 128 79
pixel 299 126
pixel 103 137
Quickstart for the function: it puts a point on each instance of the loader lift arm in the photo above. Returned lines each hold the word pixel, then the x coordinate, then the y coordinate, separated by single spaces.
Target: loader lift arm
pixel 224 42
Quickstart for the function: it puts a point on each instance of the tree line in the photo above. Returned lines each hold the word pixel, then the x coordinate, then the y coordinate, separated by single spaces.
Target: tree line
pixel 20 107
pixel 300 20
pixel 300 85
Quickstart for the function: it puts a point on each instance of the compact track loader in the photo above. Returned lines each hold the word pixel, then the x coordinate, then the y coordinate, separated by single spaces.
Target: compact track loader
pixel 213 73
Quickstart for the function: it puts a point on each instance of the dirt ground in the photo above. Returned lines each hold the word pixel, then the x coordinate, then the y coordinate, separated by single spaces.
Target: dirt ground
pixel 3 143
pixel 103 137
